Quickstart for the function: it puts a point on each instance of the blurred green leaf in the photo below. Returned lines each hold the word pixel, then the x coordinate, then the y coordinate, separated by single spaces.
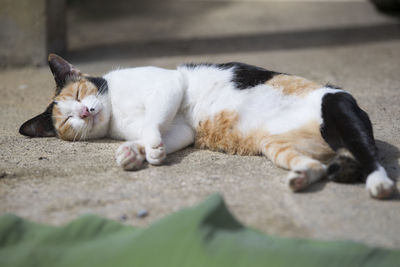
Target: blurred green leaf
pixel 206 235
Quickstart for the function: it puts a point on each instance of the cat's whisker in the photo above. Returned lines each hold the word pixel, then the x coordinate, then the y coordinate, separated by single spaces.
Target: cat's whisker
pixel 76 135
pixel 81 137
pixel 85 132
pixel 101 88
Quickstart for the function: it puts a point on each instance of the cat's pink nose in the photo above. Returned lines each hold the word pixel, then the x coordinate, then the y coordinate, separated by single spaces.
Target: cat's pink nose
pixel 84 113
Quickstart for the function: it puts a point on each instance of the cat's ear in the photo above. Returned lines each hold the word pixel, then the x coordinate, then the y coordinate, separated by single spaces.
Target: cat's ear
pixel 63 71
pixel 39 126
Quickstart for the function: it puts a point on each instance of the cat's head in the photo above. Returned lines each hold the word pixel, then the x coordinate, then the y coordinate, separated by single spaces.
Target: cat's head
pixel 79 110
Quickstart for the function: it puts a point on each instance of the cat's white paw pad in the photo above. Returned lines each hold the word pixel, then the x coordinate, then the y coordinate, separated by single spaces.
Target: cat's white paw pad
pixel 130 156
pixel 155 155
pixel 380 187
pixel 297 180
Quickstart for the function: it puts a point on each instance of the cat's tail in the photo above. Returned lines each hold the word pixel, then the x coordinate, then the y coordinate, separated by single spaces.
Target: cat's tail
pixel 348 131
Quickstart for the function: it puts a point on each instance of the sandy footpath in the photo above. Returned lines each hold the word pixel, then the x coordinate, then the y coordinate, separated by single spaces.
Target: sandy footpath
pixel 53 181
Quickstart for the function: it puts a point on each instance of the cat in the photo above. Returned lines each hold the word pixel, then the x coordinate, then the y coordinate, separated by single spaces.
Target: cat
pixel 315 131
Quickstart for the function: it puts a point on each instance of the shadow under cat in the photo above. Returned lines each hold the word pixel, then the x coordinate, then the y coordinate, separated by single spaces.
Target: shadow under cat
pixel 388 156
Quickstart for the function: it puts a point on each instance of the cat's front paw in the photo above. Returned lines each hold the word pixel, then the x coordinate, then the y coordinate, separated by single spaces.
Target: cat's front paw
pixel 155 155
pixel 130 156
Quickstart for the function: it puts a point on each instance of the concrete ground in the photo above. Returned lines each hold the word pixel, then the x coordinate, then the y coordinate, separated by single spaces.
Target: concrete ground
pixel 344 43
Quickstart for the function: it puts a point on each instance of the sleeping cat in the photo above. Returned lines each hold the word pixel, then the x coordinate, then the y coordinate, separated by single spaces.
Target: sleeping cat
pixel 315 131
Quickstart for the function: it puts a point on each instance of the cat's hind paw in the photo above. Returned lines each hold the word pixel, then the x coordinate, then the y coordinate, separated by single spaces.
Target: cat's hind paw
pixel 155 155
pixel 380 186
pixel 298 180
pixel 130 156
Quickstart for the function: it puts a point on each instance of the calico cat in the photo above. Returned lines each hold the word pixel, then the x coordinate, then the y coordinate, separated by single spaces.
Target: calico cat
pixel 315 131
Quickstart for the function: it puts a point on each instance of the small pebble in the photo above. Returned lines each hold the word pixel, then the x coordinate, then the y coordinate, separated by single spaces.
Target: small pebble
pixel 41 158
pixel 124 217
pixel 142 213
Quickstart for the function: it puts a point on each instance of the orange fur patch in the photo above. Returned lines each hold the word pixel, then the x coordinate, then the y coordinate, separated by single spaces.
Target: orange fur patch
pixel 293 85
pixel 219 133
pixel 287 149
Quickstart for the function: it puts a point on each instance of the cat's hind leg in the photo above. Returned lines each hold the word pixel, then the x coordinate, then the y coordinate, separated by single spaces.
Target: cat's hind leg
pixel 303 169
pixel 178 136
pixel 346 125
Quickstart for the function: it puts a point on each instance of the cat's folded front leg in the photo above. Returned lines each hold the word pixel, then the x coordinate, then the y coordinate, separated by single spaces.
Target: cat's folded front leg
pixel 161 108
pixel 153 143
pixel 155 152
pixel 131 155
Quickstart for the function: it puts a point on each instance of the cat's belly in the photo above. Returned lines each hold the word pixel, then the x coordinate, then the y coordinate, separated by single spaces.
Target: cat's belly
pixel 262 107
pixel 277 113
pixel 260 115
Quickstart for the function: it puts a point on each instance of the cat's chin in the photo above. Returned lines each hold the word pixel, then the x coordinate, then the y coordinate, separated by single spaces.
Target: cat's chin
pixel 96 133
pixel 98 126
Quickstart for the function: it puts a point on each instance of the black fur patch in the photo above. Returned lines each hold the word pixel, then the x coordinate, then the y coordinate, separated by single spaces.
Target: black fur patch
pixel 40 125
pixel 100 83
pixel 245 76
pixel 333 86
pixel 345 125
pixel 197 65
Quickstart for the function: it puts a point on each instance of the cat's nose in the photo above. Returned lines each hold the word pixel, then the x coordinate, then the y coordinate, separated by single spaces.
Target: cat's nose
pixel 84 113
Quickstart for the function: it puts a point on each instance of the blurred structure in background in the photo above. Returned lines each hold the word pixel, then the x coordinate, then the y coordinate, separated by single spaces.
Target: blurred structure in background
pixel 30 29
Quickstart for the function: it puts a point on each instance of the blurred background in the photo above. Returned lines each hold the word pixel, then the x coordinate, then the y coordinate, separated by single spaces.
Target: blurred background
pixel 353 44
pixel 88 30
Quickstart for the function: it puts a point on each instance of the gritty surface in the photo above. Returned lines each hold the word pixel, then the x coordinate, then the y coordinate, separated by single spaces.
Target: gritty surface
pixel 347 44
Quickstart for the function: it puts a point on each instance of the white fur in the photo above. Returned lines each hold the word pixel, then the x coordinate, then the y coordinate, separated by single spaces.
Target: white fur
pixel 159 109
pixel 379 185
pixel 154 105
pixel 144 101
pixel 269 108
